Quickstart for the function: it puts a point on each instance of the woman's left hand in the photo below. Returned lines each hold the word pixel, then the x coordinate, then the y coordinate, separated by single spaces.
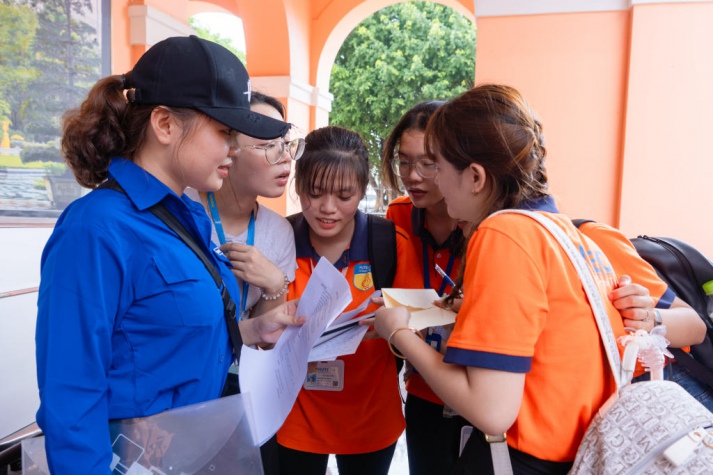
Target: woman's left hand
pixel 634 304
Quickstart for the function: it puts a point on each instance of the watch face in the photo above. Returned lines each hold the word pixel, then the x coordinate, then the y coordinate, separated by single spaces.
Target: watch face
pixel 657 318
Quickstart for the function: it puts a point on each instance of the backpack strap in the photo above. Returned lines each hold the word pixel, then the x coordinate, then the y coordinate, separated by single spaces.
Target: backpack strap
pixel 579 222
pixel 700 372
pixel 382 250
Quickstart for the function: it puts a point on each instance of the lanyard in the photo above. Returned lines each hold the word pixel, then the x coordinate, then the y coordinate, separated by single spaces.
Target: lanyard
pixel 215 216
pixel 427 269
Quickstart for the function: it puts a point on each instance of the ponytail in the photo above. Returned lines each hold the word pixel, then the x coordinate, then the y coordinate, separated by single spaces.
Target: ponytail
pixel 99 130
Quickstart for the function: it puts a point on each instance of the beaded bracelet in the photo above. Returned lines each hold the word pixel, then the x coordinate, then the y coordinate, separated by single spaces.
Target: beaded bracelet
pixel 279 294
pixel 391 345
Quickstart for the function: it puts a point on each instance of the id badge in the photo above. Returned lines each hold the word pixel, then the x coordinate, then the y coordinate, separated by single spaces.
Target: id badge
pixel 325 376
pixel 434 339
pixel 465 433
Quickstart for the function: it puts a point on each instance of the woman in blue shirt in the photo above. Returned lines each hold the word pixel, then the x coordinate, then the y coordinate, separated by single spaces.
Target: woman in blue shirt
pixel 130 322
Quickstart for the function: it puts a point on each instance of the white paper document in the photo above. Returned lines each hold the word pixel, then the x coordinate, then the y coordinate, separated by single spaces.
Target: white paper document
pixel 344 334
pixel 340 339
pixel 346 316
pixel 419 302
pixel 274 377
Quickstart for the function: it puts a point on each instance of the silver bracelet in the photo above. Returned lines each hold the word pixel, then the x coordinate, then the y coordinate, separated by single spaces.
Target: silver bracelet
pixel 279 294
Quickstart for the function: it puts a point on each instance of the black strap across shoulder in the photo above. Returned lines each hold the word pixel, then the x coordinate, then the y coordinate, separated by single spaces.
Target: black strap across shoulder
pixel 162 213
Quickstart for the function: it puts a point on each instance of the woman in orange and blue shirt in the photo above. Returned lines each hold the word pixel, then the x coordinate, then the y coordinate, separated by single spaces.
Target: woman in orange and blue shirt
pixel 525 329
pixel 433 431
pixel 361 421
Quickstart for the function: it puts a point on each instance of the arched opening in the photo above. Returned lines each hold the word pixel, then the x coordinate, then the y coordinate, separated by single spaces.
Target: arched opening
pixel 401 55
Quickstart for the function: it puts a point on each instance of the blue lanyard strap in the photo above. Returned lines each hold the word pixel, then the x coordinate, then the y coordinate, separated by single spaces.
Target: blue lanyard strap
pixel 249 242
pixel 215 216
pixel 427 269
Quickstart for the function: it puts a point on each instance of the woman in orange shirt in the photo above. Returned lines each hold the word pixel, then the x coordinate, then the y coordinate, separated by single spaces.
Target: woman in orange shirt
pixel 354 410
pixel 433 431
pixel 525 330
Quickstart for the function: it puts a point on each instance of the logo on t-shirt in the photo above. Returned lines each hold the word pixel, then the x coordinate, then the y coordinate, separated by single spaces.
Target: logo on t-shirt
pixel 362 277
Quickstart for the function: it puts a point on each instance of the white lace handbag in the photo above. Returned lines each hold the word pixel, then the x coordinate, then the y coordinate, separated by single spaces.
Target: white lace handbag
pixel 652 427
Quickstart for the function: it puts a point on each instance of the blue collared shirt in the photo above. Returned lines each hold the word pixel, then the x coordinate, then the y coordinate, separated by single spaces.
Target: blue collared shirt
pixel 130 322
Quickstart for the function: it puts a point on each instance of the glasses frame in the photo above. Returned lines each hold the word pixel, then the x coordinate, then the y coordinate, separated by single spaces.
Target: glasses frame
pixel 294 147
pixel 416 164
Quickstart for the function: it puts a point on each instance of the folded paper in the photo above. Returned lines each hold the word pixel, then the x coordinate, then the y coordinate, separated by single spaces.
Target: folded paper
pixel 424 313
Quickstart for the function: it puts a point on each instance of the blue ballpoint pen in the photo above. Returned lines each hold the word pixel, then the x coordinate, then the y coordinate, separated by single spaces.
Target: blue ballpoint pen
pixel 445 276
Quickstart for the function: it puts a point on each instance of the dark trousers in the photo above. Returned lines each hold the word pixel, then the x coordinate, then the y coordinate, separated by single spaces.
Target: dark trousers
pixel 432 441
pixel 296 462
pixel 476 460
pixel 268 450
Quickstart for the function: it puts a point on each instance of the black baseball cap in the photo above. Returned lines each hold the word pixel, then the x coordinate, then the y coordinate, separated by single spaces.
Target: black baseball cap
pixel 187 71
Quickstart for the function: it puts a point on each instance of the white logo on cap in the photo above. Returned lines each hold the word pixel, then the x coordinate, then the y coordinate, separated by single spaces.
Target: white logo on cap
pixel 249 91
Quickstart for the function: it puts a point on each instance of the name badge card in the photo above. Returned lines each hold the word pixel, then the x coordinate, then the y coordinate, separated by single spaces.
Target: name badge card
pixel 325 376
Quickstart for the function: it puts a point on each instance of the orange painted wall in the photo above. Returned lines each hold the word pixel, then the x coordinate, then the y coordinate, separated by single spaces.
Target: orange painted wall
pixel 668 171
pixel 624 96
pixel 121 50
pixel 572 70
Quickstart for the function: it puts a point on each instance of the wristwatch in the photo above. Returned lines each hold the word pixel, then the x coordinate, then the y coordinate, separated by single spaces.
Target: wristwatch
pixel 657 318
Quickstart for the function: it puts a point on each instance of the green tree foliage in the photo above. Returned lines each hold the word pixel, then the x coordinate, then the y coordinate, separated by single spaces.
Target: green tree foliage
pixel 67 56
pixel 17 34
pixel 401 55
pixel 207 34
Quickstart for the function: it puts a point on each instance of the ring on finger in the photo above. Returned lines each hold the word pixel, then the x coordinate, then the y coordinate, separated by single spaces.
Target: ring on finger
pixel 648 315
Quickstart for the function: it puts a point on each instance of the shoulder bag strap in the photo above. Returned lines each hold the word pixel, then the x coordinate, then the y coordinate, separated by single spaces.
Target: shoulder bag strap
pixel 498 448
pixel 590 287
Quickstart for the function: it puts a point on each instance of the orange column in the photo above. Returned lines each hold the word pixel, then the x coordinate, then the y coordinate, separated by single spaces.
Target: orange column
pixel 668 166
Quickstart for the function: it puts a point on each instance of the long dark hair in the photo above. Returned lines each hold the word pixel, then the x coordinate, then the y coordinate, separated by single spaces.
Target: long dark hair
pixel 492 125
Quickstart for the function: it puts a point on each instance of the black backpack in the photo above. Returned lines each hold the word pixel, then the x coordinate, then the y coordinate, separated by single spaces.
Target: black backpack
pixel 685 269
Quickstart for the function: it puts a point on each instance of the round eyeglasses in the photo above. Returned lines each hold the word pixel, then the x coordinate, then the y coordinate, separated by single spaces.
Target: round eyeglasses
pixel 425 167
pixel 275 150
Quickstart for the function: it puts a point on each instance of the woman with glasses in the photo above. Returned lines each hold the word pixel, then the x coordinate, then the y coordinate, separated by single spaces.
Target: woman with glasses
pixel 259 243
pixel 432 429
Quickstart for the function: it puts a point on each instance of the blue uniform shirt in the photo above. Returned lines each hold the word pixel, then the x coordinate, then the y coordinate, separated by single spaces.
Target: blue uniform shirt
pixel 130 322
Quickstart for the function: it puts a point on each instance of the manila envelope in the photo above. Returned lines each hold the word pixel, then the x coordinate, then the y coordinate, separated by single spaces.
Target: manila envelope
pixel 419 302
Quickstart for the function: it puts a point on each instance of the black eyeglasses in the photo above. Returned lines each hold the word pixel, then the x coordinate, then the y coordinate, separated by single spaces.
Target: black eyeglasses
pixel 425 167
pixel 275 149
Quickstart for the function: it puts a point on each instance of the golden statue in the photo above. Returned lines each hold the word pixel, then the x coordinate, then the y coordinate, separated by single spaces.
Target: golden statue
pixel 5 142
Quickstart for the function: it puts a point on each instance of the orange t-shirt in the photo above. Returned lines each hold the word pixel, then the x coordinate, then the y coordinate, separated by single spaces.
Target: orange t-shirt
pixel 525 311
pixel 366 415
pixel 626 261
pixel 402 212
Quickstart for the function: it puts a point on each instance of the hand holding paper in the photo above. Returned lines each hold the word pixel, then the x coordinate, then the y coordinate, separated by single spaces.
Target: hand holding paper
pixel 274 378
pixel 419 302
